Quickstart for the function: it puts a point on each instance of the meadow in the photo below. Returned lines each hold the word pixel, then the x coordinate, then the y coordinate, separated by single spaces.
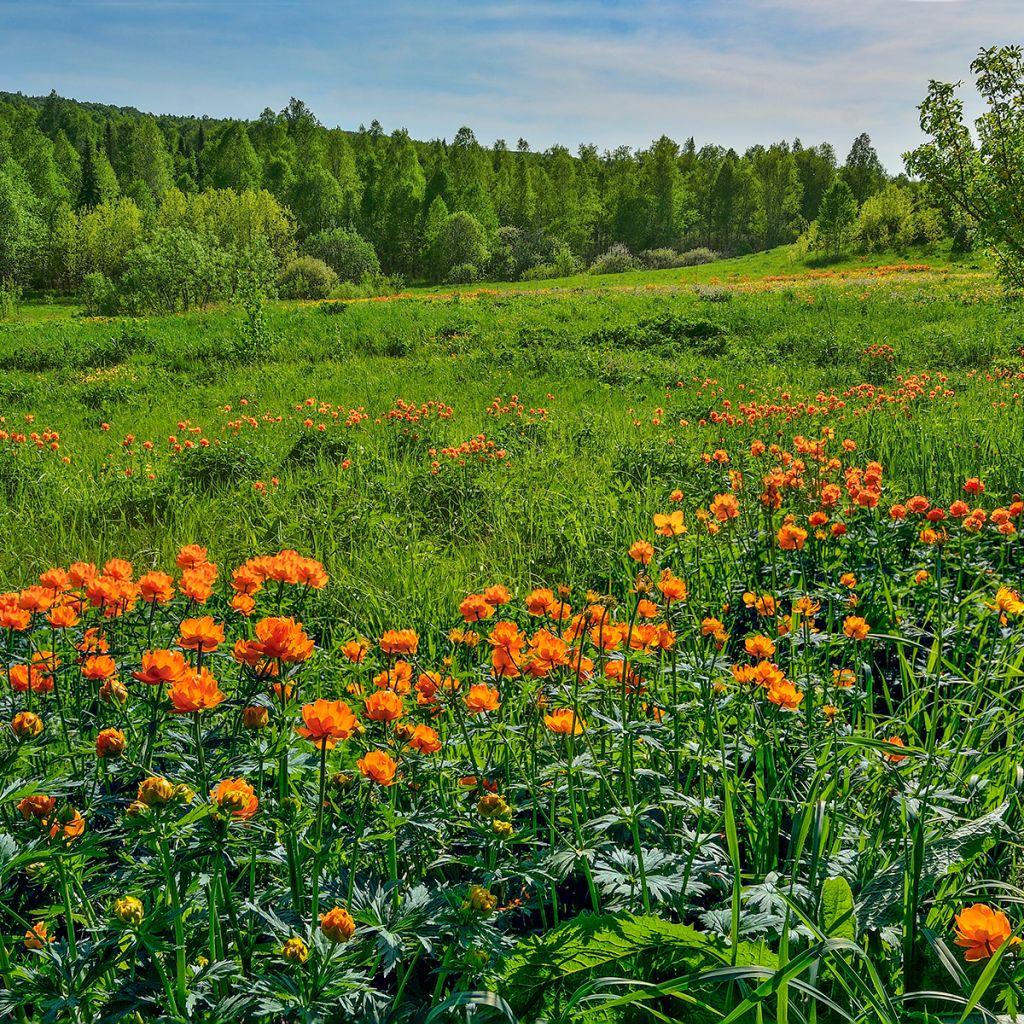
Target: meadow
pixel 637 648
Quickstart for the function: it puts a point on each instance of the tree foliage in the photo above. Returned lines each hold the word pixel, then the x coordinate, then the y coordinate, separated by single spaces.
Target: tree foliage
pixel 980 175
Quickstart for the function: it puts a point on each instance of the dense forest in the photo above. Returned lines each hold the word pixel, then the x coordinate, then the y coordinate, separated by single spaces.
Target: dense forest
pixel 133 210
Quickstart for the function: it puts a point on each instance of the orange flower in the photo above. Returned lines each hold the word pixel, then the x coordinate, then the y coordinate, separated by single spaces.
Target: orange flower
pixel 476 607
pixel 547 652
pixel 156 588
pixel 497 595
pixel 981 931
pixel 507 643
pixel 191 556
pixel 195 691
pixel 37 936
pixel 641 551
pixel 791 537
pixel 197 584
pixel 355 650
pixel 397 678
pixel 99 667
pixel 856 628
pixel 399 641
pixel 673 588
pixel 670 525
pixel 161 667
pixel 110 743
pixel 277 639
pixel 378 766
pixel 255 717
pixel 763 604
pixel 327 721
pixel 26 725
pixel 200 634
pixel 384 706
pixel 565 721
pixel 895 741
pixel 844 678
pixel 481 698
pixel 67 823
pixel 62 617
pixel 337 925
pixel 38 806
pixel 785 695
pixel 539 602
pixel 425 740
pixel 725 507
pixel 235 797
pixel 118 569
pixel 759 646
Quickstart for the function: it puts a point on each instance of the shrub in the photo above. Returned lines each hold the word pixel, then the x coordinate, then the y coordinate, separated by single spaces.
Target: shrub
pixel 696 257
pixel 659 259
pixel 306 278
pixel 349 255
pixel 178 271
pixel 464 273
pixel 10 298
pixel 99 295
pixel 463 242
pixel 617 260
pixel 372 286
pixel 711 293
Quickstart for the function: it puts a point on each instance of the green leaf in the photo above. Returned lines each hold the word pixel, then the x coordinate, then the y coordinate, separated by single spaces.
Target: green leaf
pixel 837 913
pixel 881 900
pixel 591 942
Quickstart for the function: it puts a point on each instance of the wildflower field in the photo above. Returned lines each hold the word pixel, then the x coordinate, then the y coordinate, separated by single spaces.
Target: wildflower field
pixel 644 652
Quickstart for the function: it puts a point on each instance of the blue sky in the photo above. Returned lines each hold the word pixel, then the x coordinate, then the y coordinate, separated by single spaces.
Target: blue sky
pixel 613 73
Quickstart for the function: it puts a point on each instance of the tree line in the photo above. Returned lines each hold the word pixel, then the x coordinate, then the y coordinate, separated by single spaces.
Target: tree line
pixel 99 198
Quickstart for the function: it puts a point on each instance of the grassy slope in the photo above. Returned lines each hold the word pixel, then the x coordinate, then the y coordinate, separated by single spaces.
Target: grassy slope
pixel 576 488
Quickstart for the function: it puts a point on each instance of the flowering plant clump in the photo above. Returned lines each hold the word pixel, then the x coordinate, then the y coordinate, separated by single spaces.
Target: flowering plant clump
pixel 223 798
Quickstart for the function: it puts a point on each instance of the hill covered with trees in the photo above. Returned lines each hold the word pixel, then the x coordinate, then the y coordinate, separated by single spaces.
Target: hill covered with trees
pixel 173 211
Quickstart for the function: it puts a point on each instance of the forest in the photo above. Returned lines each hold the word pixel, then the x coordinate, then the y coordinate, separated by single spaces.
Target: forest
pixel 136 213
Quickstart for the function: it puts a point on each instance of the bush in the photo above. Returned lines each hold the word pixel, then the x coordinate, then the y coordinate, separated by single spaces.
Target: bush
pixel 306 278
pixel 886 220
pixel 658 259
pixel 178 271
pixel 464 273
pixel 372 286
pixel 10 298
pixel 617 260
pixel 349 255
pixel 99 295
pixel 463 242
pixel 696 257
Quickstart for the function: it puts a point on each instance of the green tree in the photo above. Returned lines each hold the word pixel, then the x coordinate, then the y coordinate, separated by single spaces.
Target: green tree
pixel 234 163
pixel 863 171
pixel 350 256
pixel 777 193
pixel 317 200
pixel 19 227
pixel 148 159
pixel 980 182
pixel 816 167
pixel 463 243
pixel 431 256
pixel 836 216
pixel 886 220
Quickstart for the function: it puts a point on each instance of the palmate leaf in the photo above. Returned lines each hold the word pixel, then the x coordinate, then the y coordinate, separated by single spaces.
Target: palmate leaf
pixel 881 900
pixel 588 943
